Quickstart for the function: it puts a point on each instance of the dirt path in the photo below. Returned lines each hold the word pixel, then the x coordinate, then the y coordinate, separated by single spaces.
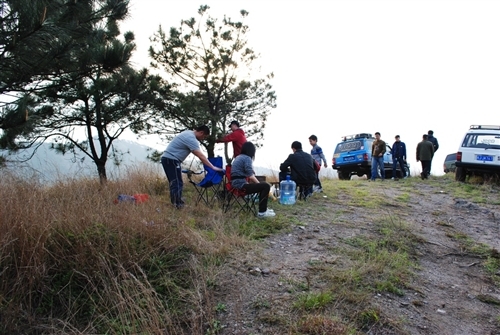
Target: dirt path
pixel 446 295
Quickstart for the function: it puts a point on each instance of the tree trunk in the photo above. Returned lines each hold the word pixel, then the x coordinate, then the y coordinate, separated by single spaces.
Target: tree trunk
pixel 101 170
pixel 211 149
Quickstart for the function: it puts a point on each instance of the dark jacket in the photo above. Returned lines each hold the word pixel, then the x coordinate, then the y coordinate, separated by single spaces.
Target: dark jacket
pixel 398 150
pixel 302 167
pixel 425 151
pixel 378 147
pixel 434 142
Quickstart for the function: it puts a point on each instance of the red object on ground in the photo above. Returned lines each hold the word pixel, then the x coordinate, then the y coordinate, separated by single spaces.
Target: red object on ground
pixel 141 197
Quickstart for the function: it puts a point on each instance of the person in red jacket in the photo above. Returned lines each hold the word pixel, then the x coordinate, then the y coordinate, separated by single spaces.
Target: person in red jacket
pixel 237 137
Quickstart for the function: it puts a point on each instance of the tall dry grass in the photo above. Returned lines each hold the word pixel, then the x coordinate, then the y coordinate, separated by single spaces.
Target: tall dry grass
pixel 74 262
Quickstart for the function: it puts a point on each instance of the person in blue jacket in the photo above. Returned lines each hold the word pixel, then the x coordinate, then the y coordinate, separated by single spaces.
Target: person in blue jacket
pixel 398 152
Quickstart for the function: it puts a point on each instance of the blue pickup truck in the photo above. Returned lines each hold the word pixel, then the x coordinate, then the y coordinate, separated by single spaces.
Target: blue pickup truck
pixel 353 156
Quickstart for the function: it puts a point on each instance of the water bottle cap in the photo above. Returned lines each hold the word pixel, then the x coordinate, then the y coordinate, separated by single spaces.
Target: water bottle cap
pixel 287 177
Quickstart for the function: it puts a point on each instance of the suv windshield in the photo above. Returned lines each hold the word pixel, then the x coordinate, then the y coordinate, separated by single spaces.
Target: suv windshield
pixel 350 146
pixel 487 141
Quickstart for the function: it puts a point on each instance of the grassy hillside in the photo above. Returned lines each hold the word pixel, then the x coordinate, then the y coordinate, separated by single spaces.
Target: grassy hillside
pixel 74 262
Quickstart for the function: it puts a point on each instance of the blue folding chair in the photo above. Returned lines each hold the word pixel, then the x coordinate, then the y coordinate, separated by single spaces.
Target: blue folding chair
pixel 209 188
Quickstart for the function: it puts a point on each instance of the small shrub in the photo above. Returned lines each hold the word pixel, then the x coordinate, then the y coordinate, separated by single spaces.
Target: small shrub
pixel 314 300
pixel 321 325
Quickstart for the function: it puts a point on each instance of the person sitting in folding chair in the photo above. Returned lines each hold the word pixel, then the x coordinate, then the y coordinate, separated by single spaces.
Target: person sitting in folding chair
pixel 302 170
pixel 243 177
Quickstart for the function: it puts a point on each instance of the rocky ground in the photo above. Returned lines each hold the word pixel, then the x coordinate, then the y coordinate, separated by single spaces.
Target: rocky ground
pixel 451 291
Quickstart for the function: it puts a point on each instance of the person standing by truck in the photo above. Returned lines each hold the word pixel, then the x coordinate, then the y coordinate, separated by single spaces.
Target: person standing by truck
pixel 378 151
pixel 398 152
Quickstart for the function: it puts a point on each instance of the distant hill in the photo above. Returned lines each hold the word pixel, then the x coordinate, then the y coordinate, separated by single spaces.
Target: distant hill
pixel 47 165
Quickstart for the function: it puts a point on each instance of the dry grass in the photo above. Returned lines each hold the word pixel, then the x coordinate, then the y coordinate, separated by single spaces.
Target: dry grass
pixel 74 262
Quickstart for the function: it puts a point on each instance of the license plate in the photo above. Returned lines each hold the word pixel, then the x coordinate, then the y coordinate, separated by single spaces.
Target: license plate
pixel 349 158
pixel 484 158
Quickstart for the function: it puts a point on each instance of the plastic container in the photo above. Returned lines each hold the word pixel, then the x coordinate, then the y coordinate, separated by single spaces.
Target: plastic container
pixel 287 191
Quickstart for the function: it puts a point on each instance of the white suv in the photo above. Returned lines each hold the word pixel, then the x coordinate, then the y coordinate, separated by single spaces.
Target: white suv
pixel 479 152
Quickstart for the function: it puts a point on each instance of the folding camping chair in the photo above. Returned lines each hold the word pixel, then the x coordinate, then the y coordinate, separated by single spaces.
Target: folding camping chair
pixel 238 198
pixel 209 187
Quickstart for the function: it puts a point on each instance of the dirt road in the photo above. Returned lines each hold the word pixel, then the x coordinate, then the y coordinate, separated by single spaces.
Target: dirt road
pixel 453 289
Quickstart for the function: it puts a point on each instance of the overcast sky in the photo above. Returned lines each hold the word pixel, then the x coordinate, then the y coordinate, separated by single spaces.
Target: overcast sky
pixel 345 67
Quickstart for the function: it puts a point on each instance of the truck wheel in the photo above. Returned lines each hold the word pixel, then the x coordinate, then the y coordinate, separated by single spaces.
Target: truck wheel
pixel 407 171
pixel 460 174
pixel 344 175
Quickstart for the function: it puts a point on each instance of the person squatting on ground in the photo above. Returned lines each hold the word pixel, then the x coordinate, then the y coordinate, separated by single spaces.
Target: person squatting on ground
pixel 302 168
pixel 378 151
pixel 398 152
pixel 236 137
pixel 176 152
pixel 319 157
pixel 242 170
pixel 425 153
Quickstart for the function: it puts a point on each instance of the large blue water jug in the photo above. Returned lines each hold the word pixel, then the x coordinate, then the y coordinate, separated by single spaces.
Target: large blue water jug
pixel 287 191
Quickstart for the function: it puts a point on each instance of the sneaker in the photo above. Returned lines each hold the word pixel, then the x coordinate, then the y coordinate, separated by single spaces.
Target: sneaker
pixel 266 214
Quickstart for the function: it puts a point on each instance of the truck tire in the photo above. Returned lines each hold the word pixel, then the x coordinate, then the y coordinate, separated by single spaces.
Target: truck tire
pixel 460 174
pixel 344 175
pixel 407 171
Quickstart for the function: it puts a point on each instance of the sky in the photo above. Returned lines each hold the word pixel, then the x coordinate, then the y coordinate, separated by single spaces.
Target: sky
pixel 346 67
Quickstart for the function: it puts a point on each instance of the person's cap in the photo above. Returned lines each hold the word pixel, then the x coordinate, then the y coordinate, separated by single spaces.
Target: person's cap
pixel 234 122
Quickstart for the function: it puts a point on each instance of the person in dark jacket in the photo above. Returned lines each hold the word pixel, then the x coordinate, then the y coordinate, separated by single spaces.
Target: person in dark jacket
pixel 433 140
pixel 425 153
pixel 301 166
pixel 435 144
pixel 398 152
